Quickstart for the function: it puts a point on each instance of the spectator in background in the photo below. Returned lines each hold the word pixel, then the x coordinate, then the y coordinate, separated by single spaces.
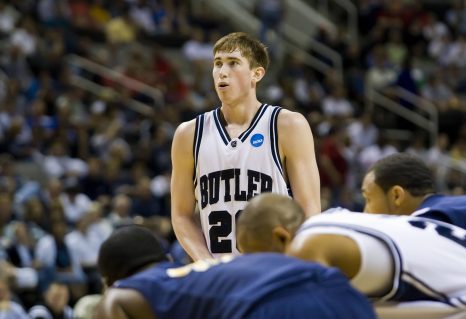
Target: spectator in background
pixel 8 18
pixel 55 304
pixel 145 204
pixel 120 214
pixel 417 145
pixel 6 213
pixel 458 149
pixel 20 252
pixel 457 53
pixel 373 153
pixel 141 15
pixel 121 29
pixel 333 166
pixel 396 49
pixel 57 262
pixel 51 192
pixel 75 203
pixel 8 307
pixel 381 74
pixel 198 51
pixel 84 242
pixel 93 183
pixel 437 92
pixel 25 38
pixel 362 132
pixel 58 162
pixel 456 16
pixel 35 218
pixel 336 104
pixel 271 14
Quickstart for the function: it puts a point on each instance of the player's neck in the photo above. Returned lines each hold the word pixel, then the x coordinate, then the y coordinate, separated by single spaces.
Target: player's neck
pixel 240 113
pixel 411 205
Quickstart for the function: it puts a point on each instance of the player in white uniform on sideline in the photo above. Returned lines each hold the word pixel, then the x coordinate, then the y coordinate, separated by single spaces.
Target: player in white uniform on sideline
pixel 388 258
pixel 243 148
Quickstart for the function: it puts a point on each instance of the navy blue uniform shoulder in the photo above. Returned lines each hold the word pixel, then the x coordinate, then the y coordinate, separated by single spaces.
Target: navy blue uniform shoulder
pixel 449 209
pixel 235 288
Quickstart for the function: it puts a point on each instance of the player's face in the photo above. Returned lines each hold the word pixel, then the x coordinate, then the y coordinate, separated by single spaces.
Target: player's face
pixel 233 77
pixel 376 200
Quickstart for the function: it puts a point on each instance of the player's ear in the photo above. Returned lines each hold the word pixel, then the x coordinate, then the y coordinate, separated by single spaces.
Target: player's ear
pixel 282 236
pixel 398 195
pixel 258 74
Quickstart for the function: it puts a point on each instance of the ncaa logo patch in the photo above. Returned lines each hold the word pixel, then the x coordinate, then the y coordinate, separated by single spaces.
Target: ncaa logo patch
pixel 257 140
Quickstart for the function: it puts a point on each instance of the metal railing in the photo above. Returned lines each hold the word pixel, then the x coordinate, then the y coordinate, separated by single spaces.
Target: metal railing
pixel 80 63
pixel 429 123
pixel 349 7
pixel 424 105
pixel 297 40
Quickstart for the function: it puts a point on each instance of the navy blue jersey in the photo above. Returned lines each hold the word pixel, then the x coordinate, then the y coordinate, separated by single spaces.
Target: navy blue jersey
pixel 449 209
pixel 249 286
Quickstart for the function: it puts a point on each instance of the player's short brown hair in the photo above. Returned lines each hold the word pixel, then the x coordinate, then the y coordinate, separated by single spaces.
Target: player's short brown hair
pixel 249 47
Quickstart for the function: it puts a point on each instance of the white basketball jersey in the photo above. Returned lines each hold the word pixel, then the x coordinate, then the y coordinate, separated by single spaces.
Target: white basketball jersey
pixel 429 256
pixel 229 172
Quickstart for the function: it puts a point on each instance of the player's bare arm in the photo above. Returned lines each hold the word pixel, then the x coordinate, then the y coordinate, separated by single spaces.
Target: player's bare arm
pixel 298 156
pixel 123 304
pixel 183 202
pixel 328 249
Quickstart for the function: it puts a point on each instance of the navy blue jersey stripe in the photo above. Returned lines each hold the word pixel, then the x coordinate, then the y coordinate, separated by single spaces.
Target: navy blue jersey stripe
pixel 274 139
pixel 426 289
pixel 197 141
pixel 198 137
pixel 221 130
pixel 391 245
pixel 243 136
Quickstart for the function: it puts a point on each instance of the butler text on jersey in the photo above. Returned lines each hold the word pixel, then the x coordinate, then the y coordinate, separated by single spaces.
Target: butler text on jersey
pixel 257 183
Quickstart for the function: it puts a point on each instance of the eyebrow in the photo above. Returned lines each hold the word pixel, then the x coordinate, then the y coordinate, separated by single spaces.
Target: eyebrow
pixel 227 58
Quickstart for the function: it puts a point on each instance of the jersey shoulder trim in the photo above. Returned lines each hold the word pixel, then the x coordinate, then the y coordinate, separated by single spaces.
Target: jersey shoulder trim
pixel 197 138
pixel 274 138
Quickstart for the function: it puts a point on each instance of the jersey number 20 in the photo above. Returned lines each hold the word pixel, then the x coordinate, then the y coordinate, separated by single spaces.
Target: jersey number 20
pixel 222 226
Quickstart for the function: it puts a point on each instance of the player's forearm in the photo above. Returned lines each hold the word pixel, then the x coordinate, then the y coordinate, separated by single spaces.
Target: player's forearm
pixel 190 236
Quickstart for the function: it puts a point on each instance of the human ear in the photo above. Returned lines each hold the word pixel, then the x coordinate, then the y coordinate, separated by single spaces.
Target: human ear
pixel 398 195
pixel 282 237
pixel 258 74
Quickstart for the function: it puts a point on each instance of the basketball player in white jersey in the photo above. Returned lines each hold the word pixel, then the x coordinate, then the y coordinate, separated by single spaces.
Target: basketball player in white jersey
pixel 387 257
pixel 243 148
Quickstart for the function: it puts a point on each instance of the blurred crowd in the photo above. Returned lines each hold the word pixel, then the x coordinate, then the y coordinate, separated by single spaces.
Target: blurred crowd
pixel 98 164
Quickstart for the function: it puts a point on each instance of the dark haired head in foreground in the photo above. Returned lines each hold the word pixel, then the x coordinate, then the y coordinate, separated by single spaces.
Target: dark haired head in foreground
pixel 397 184
pixel 128 250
